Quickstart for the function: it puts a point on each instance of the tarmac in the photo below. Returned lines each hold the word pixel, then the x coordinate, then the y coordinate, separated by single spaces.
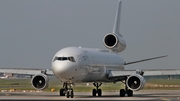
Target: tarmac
pixel 144 95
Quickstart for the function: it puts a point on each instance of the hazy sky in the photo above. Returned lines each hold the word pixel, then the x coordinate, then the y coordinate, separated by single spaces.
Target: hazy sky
pixel 32 31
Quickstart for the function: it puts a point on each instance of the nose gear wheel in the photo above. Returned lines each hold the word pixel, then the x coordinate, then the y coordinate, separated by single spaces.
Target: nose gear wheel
pixel 67 90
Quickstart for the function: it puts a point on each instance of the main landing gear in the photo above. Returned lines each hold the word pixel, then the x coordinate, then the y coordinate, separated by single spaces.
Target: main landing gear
pixel 127 91
pixel 97 90
pixel 67 90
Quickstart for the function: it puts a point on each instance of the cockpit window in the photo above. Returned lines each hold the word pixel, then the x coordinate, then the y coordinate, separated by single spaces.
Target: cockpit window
pixel 58 58
pixel 71 59
pixel 64 59
pixel 55 59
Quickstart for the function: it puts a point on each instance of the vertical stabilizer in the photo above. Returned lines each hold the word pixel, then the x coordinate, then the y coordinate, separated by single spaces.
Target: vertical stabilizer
pixel 114 41
pixel 116 27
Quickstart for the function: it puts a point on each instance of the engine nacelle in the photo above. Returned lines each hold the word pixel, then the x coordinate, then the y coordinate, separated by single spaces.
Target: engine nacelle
pixel 114 42
pixel 135 82
pixel 40 81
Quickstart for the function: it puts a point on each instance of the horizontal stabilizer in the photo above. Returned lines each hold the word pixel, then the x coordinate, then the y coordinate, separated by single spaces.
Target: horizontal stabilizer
pixel 128 63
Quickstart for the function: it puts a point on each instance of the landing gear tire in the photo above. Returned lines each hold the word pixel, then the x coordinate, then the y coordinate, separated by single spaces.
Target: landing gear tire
pixel 67 90
pixel 125 91
pixel 130 93
pixel 122 93
pixel 70 93
pixel 61 92
pixel 67 95
pixel 99 91
pixel 94 92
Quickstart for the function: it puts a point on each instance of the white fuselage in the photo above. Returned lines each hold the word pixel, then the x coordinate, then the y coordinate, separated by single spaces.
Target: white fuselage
pixel 76 64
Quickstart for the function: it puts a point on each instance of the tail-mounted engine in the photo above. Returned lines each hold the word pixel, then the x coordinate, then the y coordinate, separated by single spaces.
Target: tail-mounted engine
pixel 114 42
pixel 40 81
pixel 135 82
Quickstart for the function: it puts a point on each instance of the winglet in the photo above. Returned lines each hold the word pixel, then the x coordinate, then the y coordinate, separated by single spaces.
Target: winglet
pixel 116 27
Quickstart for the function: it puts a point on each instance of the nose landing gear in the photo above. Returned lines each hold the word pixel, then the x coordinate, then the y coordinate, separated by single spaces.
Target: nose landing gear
pixel 67 90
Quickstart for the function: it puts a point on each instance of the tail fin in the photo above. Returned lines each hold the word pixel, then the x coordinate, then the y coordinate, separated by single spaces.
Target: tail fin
pixel 116 27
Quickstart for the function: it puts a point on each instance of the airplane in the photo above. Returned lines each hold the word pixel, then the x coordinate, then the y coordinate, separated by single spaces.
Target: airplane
pixel 4 77
pixel 78 64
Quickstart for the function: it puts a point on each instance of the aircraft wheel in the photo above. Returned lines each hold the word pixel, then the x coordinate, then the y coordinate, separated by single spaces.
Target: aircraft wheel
pixel 130 93
pixel 61 92
pixel 72 93
pixel 67 95
pixel 122 93
pixel 94 92
pixel 99 92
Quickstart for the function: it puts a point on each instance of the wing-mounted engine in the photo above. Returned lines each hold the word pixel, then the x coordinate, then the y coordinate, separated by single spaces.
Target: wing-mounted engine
pixel 40 81
pixel 135 82
pixel 114 42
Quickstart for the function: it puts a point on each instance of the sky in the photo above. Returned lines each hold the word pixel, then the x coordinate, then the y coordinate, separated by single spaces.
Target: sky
pixel 32 31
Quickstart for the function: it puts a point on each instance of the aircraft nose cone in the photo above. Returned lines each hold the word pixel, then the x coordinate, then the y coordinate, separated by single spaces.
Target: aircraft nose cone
pixel 63 69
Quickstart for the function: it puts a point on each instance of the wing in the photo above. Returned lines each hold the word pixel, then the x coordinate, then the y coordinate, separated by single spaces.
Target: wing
pixel 125 73
pixel 117 74
pixel 128 63
pixel 26 71
pixel 161 72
